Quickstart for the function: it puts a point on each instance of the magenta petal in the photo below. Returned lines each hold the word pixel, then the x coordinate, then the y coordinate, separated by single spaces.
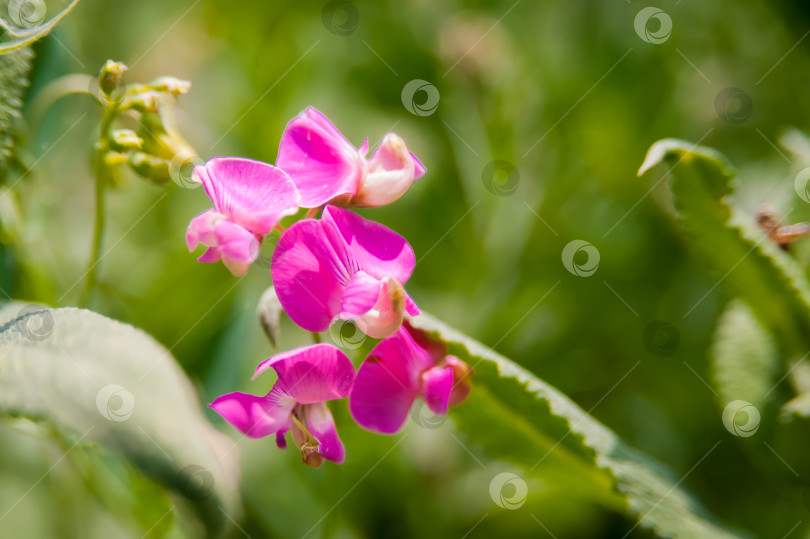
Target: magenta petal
pixel 253 194
pixel 387 383
pixel 379 251
pixel 226 240
pixel 387 315
pixel 411 308
pixel 201 229
pixel 419 168
pixel 437 383
pixel 311 374
pixel 281 439
pixel 309 273
pixel 321 425
pixel 209 256
pixel 254 416
pixel 389 173
pixel 319 159
pixel 462 384
pixel 360 295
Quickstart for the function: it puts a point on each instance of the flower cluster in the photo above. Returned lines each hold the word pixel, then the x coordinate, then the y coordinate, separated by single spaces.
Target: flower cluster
pixel 336 267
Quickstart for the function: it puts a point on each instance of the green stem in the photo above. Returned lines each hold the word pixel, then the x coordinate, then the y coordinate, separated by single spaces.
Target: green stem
pixel 330 523
pixel 102 179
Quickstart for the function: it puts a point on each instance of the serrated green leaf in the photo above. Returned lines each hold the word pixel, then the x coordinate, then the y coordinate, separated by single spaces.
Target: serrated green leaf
pixel 744 260
pixel 744 358
pixel 25 37
pixel 108 383
pixel 14 68
pixel 516 416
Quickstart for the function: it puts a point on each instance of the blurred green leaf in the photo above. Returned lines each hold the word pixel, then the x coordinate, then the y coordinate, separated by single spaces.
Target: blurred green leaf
pixel 517 416
pixel 744 358
pixel 748 264
pixel 105 382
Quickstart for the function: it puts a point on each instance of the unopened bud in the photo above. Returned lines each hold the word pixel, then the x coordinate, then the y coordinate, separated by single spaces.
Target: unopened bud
pixel 124 140
pixel 390 172
pixel 461 379
pixel 170 85
pixel 269 312
pixel 115 158
pixel 111 79
pixel 144 102
pixel 154 169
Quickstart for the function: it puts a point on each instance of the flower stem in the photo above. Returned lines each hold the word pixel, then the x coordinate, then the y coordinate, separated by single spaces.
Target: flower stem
pixel 332 488
pixel 102 171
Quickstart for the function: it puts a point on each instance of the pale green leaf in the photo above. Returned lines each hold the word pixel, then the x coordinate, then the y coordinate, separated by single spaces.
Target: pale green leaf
pixel 103 382
pixel 744 260
pixel 24 37
pixel 744 358
pixel 514 415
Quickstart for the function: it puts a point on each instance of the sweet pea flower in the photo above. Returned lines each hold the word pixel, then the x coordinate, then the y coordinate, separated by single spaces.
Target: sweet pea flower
pixel 250 198
pixel 342 266
pixel 326 168
pixel 307 378
pixel 401 368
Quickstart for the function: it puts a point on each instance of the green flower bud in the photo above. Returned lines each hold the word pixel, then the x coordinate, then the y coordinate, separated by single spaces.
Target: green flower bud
pixel 124 140
pixel 115 158
pixel 144 102
pixel 152 168
pixel 111 79
pixel 170 85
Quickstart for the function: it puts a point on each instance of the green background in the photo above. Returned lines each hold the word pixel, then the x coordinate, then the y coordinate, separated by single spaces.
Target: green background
pixel 567 93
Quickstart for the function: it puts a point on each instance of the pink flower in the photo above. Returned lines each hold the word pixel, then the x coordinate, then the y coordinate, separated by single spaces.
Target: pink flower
pixel 250 198
pixel 401 368
pixel 326 168
pixel 307 378
pixel 343 267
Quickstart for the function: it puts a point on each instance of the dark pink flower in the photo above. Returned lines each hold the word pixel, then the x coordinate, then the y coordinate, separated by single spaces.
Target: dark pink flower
pixel 343 267
pixel 326 168
pixel 307 378
pixel 250 198
pixel 399 369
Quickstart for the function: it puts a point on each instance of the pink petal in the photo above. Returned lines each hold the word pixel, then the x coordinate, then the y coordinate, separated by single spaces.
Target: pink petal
pixel 253 194
pixel 387 383
pixel 411 308
pixel 419 168
pixel 379 251
pixel 254 416
pixel 311 374
pixel 361 294
pixel 314 270
pixel 436 386
pixel 210 255
pixel 321 426
pixel 436 350
pixel 319 159
pixel 281 440
pixel 309 273
pixel 390 172
pixel 462 385
pixel 226 240
pixel 386 316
